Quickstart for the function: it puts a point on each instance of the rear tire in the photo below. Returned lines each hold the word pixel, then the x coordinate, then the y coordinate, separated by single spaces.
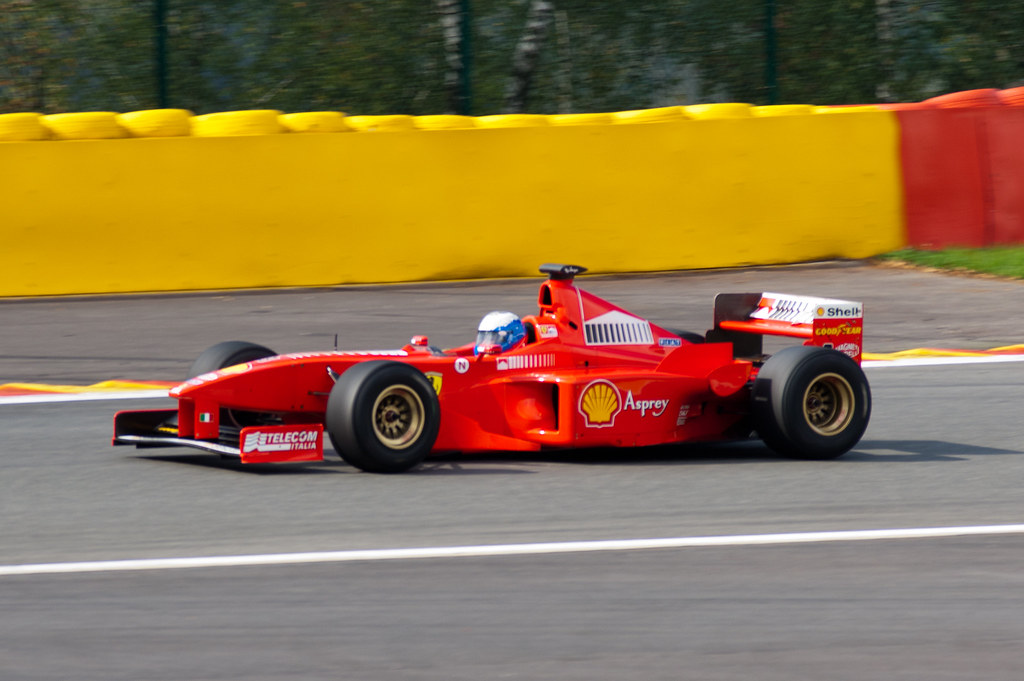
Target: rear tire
pixel 811 403
pixel 688 336
pixel 383 417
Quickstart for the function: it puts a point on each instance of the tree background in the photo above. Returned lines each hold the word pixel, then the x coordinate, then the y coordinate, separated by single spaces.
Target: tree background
pixel 389 56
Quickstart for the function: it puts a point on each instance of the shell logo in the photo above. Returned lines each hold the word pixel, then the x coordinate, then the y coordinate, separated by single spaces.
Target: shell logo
pixel 600 402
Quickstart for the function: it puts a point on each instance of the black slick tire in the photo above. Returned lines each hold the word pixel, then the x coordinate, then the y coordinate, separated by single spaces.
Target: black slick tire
pixel 688 336
pixel 382 416
pixel 811 403
pixel 226 354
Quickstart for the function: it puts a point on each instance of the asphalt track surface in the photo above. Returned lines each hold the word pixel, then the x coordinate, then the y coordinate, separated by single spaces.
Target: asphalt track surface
pixel 943 451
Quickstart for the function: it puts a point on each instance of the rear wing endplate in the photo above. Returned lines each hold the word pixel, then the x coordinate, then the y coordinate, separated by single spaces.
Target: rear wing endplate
pixel 744 318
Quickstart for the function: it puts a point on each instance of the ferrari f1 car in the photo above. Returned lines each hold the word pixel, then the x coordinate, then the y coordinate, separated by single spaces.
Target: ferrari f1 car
pixel 587 374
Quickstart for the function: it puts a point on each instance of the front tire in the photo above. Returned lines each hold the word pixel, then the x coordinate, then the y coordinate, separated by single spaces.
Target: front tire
pixel 811 403
pixel 383 417
pixel 226 354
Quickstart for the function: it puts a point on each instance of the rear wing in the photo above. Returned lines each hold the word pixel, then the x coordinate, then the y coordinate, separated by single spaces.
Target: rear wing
pixel 744 318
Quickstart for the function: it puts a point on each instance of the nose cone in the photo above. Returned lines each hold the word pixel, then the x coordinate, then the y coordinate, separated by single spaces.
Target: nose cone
pixel 202 381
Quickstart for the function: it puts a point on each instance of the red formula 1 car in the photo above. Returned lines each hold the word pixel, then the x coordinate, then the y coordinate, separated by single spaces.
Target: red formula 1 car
pixel 586 374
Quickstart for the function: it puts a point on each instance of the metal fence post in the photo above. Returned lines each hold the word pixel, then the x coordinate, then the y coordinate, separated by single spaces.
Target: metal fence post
pixel 160 29
pixel 770 56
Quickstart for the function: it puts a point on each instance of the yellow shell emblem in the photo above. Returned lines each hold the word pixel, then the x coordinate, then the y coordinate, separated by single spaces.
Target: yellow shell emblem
pixel 599 403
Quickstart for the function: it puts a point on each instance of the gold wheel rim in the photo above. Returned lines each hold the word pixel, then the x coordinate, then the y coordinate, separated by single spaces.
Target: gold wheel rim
pixel 398 417
pixel 828 404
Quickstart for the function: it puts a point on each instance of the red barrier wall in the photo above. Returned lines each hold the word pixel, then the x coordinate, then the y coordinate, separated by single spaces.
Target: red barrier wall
pixel 943 189
pixel 963 175
pixel 1005 137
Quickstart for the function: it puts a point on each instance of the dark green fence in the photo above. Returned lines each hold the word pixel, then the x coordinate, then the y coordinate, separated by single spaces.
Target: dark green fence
pixel 391 56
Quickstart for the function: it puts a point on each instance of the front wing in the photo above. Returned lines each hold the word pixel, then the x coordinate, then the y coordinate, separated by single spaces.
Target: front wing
pixel 250 444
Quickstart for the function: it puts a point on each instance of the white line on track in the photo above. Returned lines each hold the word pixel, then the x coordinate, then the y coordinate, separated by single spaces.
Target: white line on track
pixel 49 398
pixel 505 550
pixel 938 361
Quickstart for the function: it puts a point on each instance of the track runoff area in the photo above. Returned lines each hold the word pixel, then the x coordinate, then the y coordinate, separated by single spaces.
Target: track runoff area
pixel 22 393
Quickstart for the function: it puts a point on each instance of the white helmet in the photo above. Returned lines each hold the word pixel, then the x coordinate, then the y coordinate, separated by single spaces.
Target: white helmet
pixel 499 328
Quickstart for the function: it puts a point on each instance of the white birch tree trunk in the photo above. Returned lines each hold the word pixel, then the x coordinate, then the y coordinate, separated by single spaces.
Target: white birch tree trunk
pixel 883 21
pixel 451 31
pixel 524 62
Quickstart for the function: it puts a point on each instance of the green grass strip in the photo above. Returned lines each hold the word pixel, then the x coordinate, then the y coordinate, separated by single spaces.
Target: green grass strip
pixel 1003 261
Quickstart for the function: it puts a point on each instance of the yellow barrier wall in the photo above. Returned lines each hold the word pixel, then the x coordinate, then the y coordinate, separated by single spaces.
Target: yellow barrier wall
pixel 181 213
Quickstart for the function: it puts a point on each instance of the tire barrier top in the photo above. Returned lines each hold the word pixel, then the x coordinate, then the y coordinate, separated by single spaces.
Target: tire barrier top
pixel 29 127
pixel 25 127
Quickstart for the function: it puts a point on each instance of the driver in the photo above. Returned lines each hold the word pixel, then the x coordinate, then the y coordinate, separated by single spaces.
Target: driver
pixel 499 328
